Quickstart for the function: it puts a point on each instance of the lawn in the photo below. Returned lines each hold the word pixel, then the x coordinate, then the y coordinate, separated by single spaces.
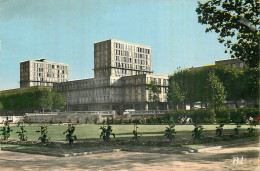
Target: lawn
pixel 92 132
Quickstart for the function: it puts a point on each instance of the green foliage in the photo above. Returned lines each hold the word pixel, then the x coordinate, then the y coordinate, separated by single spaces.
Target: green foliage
pixel 237 116
pixel 87 120
pixel 70 131
pixel 135 131
pixel 175 95
pixel 251 83
pixel 197 132
pixel 22 134
pixel 219 130
pixel 170 132
pixel 217 93
pixel 251 130
pixel 253 112
pixel 51 120
pixel 43 132
pixel 33 98
pixel 215 84
pixel 203 115
pixel 222 114
pixel 236 129
pixel 78 120
pixel 154 91
pixel 106 132
pixel 6 131
pixel 237 23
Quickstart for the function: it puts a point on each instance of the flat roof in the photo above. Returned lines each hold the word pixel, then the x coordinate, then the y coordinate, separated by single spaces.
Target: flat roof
pixel 123 42
pixel 38 60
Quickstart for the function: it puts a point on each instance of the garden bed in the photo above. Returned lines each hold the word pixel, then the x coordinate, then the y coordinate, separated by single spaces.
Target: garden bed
pixel 182 146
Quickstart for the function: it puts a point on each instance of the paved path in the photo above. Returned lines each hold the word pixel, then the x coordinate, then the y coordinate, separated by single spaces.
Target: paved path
pixel 212 160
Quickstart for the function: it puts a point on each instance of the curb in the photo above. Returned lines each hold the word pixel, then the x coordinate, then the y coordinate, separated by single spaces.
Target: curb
pixel 58 155
pixel 173 151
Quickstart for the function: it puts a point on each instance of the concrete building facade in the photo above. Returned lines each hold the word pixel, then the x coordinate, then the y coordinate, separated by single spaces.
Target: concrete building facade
pixel 119 58
pixel 121 72
pixel 42 73
pixel 113 93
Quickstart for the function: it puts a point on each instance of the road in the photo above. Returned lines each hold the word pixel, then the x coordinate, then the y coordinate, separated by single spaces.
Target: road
pixel 223 159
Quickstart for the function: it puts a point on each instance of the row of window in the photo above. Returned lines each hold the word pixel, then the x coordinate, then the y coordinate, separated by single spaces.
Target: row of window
pixel 130 48
pixel 130 54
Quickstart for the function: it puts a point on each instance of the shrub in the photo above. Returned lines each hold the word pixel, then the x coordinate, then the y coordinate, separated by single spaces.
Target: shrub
pixel 251 130
pixel 150 120
pixel 51 120
pixel 6 132
pixel 159 119
pixel 95 120
pixel 106 132
pixel 219 130
pixel 43 132
pixel 253 112
pixel 236 129
pixel 22 134
pixel 70 137
pixel 87 120
pixel 237 116
pixel 130 120
pixel 197 132
pixel 205 116
pixel 78 120
pixel 222 115
pixel 170 132
pixel 135 131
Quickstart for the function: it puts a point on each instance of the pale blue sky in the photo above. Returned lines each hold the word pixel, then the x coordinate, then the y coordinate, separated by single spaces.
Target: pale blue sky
pixel 64 31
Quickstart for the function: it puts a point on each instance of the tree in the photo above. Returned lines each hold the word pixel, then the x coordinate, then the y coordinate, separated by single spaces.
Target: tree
pixel 154 92
pixel 45 101
pixel 58 100
pixel 217 94
pixel 239 18
pixel 31 98
pixel 175 95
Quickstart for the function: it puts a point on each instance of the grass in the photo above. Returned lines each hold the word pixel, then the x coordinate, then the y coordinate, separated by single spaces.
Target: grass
pixel 91 132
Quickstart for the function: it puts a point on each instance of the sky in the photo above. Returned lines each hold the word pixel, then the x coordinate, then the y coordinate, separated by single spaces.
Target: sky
pixel 65 31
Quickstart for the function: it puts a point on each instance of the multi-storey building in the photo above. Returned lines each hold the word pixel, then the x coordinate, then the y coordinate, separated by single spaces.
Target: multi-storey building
pixel 120 58
pixel 122 70
pixel 42 73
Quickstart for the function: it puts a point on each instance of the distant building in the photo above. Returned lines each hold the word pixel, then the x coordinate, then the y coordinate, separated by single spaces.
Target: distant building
pixel 121 72
pixel 42 73
pixel 232 62
pixel 120 58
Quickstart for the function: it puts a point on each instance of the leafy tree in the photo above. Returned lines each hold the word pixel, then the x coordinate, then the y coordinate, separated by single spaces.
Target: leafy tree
pixel 229 18
pixel 58 99
pixel 45 101
pixel 154 92
pixel 175 95
pixel 31 98
pixel 217 93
